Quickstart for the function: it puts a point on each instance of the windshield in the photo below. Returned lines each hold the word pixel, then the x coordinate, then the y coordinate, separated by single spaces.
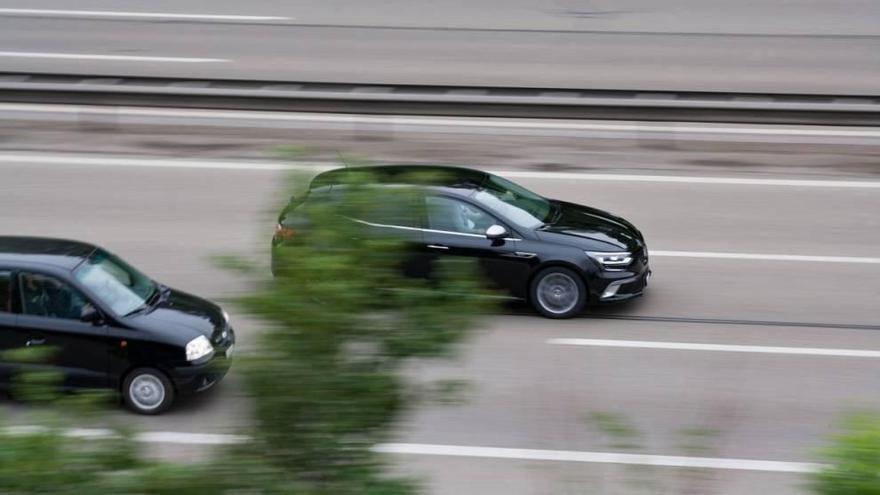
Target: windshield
pixel 517 203
pixel 114 282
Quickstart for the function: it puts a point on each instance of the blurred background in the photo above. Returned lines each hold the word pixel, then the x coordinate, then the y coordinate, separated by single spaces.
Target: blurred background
pixel 742 138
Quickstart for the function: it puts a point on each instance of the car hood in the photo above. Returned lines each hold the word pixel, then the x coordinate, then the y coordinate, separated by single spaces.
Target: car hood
pixel 592 228
pixel 182 317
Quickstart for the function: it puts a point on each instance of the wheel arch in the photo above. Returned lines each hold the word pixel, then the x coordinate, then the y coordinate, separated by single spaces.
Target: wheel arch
pixel 553 264
pixel 131 367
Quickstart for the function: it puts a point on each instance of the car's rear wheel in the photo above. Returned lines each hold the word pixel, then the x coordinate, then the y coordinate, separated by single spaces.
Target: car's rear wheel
pixel 147 391
pixel 558 292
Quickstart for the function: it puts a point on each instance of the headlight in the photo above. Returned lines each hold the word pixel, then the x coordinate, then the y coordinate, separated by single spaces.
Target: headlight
pixel 611 261
pixel 198 348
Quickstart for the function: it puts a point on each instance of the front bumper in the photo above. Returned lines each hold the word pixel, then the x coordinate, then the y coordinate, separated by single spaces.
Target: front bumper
pixel 625 288
pixel 200 377
pixel 615 286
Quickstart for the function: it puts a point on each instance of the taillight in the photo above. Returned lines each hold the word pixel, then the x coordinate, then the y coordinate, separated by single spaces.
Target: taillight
pixel 283 233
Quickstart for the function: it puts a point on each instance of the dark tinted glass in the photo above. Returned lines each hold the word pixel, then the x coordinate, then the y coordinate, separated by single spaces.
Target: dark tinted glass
pixel 398 208
pixel 42 295
pixel 452 215
pixel 514 202
pixel 5 292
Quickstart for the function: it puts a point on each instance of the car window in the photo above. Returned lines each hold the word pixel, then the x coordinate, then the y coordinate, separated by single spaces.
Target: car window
pixel 514 202
pixel 5 292
pixel 42 295
pixel 512 211
pixel 114 282
pixel 397 208
pixel 452 215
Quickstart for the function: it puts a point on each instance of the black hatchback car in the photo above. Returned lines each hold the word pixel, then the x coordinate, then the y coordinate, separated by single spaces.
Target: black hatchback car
pixel 108 325
pixel 558 256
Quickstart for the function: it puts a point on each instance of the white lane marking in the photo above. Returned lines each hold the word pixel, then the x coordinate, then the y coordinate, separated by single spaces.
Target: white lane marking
pixel 120 58
pixel 318 166
pixel 191 438
pixel 767 257
pixel 463 451
pixel 173 437
pixel 472 122
pixel 687 346
pixel 144 15
pixel 598 457
pixel 685 179
pixel 147 162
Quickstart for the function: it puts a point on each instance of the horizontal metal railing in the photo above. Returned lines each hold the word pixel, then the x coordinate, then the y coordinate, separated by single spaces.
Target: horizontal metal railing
pixel 441 100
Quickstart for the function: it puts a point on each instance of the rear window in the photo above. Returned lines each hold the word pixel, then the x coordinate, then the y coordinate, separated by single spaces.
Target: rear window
pixel 5 291
pixel 397 207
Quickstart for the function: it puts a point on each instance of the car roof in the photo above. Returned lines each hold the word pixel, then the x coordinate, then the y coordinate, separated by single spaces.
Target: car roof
pixel 448 178
pixel 59 253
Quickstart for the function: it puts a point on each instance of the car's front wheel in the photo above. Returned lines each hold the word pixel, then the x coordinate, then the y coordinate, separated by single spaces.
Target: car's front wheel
pixel 147 391
pixel 558 292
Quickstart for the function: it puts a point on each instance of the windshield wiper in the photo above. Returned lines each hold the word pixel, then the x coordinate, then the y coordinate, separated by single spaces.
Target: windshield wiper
pixel 554 214
pixel 137 310
pixel 557 208
pixel 159 293
pixel 164 291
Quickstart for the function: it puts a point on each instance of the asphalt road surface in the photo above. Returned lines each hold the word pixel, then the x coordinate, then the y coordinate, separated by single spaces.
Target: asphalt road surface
pixel 824 47
pixel 799 285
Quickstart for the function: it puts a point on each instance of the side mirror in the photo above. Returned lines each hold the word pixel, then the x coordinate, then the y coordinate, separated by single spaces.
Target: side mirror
pixel 495 232
pixel 90 314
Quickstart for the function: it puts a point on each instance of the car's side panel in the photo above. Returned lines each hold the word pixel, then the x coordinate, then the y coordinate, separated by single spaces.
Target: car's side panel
pixel 9 340
pixel 8 329
pixel 79 348
pixel 130 348
pixel 498 259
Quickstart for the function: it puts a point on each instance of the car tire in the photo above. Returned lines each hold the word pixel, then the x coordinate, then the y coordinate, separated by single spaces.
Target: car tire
pixel 147 391
pixel 558 292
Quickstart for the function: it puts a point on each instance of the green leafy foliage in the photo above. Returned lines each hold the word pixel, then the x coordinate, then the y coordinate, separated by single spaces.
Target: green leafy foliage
pixel 38 382
pixel 854 459
pixel 342 320
pixel 48 461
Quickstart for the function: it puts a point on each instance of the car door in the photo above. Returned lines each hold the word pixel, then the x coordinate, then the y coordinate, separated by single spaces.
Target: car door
pixel 398 218
pixel 458 228
pixel 9 337
pixel 51 311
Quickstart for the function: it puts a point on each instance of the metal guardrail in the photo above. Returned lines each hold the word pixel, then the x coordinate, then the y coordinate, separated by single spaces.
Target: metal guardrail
pixel 440 100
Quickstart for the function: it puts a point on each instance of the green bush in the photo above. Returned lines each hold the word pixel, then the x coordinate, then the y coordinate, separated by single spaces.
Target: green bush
pixel 853 458
pixel 341 322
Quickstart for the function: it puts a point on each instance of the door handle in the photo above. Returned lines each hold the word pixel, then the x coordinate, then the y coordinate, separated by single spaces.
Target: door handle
pixel 35 341
pixel 438 246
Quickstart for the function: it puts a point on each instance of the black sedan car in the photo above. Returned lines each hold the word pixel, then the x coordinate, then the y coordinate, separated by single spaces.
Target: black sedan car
pixel 107 325
pixel 558 256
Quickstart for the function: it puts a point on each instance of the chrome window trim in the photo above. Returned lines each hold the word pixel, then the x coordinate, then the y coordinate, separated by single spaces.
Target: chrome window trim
pixel 401 227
